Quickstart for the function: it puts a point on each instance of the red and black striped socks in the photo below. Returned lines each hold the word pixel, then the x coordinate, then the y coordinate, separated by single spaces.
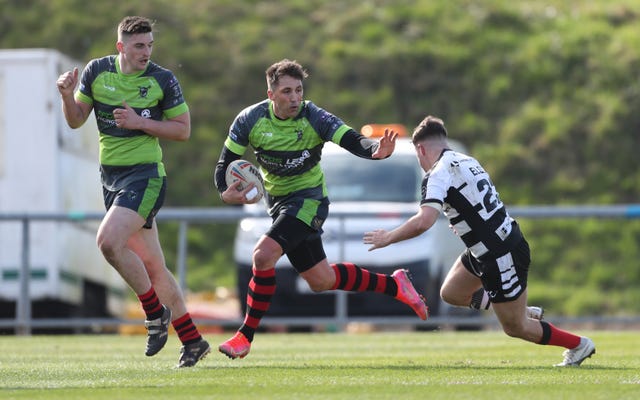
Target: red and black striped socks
pixel 184 326
pixel 186 329
pixel 151 304
pixel 261 289
pixel 350 277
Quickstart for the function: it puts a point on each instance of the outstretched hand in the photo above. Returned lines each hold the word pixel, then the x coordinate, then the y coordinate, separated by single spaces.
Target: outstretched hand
pixel 386 144
pixel 376 238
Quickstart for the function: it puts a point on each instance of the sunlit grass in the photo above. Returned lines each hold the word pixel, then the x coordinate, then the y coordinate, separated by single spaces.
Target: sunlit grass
pixel 403 365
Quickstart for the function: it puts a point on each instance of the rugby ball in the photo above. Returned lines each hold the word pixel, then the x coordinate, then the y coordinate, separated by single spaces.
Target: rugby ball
pixel 247 173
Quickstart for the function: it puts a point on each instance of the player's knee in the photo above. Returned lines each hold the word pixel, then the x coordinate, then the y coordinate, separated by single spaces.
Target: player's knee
pixel 264 259
pixel 451 297
pixel 108 247
pixel 445 295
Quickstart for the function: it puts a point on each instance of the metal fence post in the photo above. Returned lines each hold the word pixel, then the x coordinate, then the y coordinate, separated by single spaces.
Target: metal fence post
pixel 23 302
pixel 182 255
pixel 341 295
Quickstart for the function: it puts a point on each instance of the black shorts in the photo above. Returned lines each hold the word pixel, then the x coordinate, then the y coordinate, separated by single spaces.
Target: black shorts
pixel 143 196
pixel 301 243
pixel 504 278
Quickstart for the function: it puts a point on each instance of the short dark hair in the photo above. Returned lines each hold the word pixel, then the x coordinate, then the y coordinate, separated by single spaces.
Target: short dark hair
pixel 282 68
pixel 132 25
pixel 430 127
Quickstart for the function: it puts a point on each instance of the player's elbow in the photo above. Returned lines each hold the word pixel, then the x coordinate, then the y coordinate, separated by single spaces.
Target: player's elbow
pixel 182 133
pixel 184 136
pixel 74 125
pixel 182 128
pixel 75 120
pixel 421 225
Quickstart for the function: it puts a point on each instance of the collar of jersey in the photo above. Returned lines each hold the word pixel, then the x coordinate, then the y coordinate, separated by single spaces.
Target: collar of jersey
pixel 132 75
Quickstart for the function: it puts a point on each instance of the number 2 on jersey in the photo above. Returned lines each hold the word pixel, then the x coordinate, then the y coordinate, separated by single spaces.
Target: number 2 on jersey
pixel 490 199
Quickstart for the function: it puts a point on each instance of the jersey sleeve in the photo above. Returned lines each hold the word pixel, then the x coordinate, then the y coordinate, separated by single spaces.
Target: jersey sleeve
pixel 84 92
pixel 238 137
pixel 219 175
pixel 236 143
pixel 359 145
pixel 173 103
pixel 435 185
pixel 328 126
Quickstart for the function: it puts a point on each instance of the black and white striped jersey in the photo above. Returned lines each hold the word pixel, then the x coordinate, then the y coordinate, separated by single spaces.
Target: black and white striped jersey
pixel 459 186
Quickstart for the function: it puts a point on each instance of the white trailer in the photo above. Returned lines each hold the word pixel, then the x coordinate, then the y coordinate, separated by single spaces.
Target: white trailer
pixel 46 167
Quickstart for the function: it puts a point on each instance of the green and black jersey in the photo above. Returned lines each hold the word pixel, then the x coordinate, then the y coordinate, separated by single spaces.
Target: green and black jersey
pixel 288 151
pixel 153 93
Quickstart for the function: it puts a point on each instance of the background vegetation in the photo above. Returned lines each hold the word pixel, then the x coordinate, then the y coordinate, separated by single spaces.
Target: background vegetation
pixel 544 93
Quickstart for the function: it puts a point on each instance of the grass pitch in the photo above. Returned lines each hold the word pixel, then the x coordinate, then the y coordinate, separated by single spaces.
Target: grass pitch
pixel 398 365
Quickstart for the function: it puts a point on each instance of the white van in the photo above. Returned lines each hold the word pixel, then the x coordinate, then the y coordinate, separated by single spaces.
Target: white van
pixel 388 188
